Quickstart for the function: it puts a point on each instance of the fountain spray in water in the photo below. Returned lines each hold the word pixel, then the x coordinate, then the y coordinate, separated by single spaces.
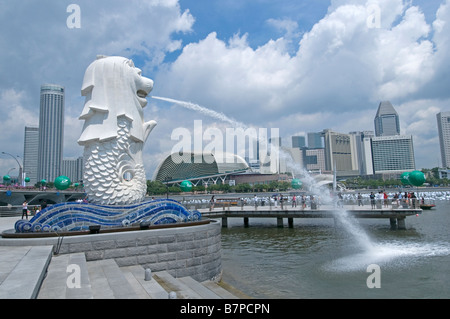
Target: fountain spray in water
pixel 350 224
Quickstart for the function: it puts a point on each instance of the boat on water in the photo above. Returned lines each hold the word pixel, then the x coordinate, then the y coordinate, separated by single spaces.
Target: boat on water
pixel 427 206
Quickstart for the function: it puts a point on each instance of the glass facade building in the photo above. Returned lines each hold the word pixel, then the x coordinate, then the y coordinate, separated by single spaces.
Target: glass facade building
pixel 51 132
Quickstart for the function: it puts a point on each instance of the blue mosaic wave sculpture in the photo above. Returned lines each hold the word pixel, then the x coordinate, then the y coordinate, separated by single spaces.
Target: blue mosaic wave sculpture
pixel 67 217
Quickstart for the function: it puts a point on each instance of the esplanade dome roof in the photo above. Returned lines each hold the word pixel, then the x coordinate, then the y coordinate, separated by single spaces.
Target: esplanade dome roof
pixel 185 166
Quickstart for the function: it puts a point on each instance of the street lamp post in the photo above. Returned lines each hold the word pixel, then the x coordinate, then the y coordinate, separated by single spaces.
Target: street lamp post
pixel 21 179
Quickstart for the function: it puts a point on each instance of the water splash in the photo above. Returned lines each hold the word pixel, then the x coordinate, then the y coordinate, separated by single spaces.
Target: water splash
pixel 393 254
pixel 352 226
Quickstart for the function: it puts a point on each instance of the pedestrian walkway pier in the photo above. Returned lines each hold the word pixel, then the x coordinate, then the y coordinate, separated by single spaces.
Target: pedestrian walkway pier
pixel 397 215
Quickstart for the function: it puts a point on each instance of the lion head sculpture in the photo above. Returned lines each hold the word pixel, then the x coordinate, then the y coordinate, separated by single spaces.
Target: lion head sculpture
pixel 114 87
pixel 114 131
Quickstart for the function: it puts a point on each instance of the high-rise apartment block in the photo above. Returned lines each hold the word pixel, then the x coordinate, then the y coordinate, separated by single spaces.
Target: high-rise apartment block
pixel 443 123
pixel 51 132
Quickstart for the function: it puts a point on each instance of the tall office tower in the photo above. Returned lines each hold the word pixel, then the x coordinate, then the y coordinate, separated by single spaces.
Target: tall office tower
pixel 443 121
pixel 298 141
pixel 51 132
pixel 386 121
pixel 315 140
pixel 30 153
pixel 393 154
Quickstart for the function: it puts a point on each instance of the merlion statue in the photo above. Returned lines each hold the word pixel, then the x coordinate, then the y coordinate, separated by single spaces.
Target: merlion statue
pixel 114 131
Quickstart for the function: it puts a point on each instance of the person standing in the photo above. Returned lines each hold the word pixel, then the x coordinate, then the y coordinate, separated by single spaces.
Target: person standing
pixel 211 203
pixel 360 203
pixel 385 197
pixel 372 199
pixel 25 210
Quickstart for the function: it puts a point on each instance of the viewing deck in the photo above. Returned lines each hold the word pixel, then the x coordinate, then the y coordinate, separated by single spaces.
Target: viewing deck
pixel 396 215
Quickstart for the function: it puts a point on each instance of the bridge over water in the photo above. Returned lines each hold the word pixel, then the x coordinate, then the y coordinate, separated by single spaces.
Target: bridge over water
pixel 11 199
pixel 396 215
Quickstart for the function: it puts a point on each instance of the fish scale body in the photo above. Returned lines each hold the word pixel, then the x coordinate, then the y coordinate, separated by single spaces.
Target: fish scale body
pixel 107 162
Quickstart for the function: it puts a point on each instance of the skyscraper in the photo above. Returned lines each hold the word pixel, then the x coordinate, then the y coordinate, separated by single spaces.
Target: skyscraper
pixel 30 153
pixel 51 132
pixel 443 122
pixel 386 121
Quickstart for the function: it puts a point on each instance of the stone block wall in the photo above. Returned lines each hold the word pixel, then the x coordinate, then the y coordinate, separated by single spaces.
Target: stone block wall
pixel 194 251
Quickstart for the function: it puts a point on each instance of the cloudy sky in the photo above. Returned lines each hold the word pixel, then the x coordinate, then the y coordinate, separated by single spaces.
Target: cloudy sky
pixel 297 65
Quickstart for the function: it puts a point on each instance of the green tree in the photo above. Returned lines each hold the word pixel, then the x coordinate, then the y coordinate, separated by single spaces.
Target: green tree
pixel 243 188
pixel 156 188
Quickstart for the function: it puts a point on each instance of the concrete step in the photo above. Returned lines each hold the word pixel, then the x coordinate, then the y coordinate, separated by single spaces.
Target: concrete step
pixel 62 280
pixel 108 281
pixel 26 273
pixel 145 289
pixel 200 289
pixel 105 280
pixel 170 283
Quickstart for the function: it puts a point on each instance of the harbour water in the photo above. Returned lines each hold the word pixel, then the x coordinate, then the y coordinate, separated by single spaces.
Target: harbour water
pixel 317 259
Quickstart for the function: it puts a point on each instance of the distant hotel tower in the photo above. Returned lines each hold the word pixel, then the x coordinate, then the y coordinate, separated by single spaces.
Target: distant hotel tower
pixel 443 121
pixel 51 132
pixel 386 121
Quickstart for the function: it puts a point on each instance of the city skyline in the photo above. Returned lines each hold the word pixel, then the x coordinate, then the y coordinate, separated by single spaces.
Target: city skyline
pixel 300 66
pixel 316 140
